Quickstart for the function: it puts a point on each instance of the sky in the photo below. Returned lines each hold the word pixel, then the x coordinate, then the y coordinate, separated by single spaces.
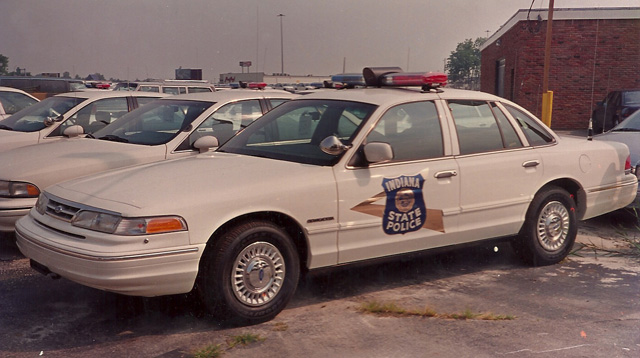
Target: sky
pixel 139 39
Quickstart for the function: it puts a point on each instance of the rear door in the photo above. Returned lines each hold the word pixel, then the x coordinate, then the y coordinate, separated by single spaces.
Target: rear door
pixel 498 172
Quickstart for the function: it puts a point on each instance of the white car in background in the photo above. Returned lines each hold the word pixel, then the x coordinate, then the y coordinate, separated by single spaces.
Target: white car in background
pixel 326 179
pixel 13 100
pixel 46 121
pixel 164 129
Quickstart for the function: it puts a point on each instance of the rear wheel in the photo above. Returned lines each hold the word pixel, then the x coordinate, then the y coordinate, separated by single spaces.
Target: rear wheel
pixel 550 228
pixel 250 273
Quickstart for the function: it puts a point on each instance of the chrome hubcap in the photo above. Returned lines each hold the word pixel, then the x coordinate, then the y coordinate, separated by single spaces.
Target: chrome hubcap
pixel 258 274
pixel 553 226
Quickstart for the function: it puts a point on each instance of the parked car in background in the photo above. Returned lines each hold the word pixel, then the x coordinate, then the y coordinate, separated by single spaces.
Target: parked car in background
pixel 173 87
pixel 615 107
pixel 328 178
pixel 628 132
pixel 47 120
pixel 164 129
pixel 13 100
pixel 43 87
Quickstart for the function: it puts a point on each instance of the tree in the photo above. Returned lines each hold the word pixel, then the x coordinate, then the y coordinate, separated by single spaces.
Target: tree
pixel 66 74
pixel 464 63
pixel 4 64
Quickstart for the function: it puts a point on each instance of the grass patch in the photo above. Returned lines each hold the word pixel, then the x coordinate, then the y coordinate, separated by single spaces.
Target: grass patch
pixel 210 351
pixel 216 350
pixel 392 309
pixel 244 339
pixel 280 327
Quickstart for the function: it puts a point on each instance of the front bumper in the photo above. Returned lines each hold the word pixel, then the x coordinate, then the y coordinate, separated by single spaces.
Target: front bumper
pixel 13 209
pixel 8 218
pixel 152 273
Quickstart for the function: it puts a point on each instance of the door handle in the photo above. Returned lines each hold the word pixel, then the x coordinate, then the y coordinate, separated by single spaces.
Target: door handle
pixel 445 174
pixel 531 163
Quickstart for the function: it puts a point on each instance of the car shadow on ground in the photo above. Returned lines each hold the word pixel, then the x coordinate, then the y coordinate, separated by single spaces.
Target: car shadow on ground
pixel 59 314
pixel 56 315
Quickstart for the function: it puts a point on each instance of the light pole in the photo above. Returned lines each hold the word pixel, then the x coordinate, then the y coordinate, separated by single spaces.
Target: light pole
pixel 281 46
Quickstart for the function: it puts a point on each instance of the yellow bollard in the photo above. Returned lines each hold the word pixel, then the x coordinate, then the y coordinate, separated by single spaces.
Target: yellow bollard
pixel 547 105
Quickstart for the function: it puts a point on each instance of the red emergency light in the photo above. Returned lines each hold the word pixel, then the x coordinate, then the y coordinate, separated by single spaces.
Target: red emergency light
pixel 258 85
pixel 429 79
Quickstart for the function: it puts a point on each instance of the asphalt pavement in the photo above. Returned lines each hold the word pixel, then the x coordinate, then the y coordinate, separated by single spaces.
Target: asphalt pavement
pixel 585 306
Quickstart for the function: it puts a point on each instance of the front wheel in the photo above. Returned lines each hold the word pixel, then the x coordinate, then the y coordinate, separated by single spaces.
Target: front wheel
pixel 550 228
pixel 250 273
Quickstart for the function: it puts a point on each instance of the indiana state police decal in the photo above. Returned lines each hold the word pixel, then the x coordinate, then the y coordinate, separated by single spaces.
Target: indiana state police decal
pixel 405 209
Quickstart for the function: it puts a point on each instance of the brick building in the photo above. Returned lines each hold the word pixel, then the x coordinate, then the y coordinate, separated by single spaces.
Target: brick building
pixel 593 51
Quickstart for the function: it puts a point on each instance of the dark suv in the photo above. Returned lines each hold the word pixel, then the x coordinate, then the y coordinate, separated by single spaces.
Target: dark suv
pixel 615 107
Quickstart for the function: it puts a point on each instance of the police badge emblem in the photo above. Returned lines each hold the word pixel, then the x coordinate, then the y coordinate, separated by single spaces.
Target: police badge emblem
pixel 405 210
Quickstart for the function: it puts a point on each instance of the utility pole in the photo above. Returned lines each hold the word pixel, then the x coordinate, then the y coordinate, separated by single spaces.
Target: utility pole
pixel 547 96
pixel 281 46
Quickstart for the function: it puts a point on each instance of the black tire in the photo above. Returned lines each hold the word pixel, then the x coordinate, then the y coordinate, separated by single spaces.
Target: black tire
pixel 550 228
pixel 249 274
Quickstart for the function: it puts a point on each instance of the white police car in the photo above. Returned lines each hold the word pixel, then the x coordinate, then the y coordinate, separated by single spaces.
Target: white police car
pixel 171 127
pixel 328 178
pixel 45 121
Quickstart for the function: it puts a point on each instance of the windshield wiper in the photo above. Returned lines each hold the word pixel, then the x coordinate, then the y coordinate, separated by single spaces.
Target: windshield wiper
pixel 2 126
pixel 626 130
pixel 114 138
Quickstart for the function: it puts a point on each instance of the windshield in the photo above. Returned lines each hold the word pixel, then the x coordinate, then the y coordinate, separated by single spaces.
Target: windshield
pixel 13 102
pixel 631 124
pixel 32 118
pixel 294 130
pixel 155 123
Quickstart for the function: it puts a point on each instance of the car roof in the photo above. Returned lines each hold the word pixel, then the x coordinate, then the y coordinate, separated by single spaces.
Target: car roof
pixel 109 94
pixel 11 89
pixel 232 95
pixel 388 95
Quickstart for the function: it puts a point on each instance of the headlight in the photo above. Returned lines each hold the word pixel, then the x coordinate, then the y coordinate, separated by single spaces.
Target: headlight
pixel 41 204
pixel 18 189
pixel 114 224
pixel 96 221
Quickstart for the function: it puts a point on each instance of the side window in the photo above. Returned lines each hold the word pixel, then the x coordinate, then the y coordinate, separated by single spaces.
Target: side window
pixel 476 126
pixel 199 89
pixel 145 88
pixel 144 100
pixel 412 129
pixel 275 102
pixel 509 135
pixel 95 116
pixel 225 122
pixel 171 90
pixel 534 131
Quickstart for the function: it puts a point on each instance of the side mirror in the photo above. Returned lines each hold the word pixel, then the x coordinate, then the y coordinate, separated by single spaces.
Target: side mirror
pixel 51 120
pixel 73 131
pixel 378 152
pixel 332 145
pixel 204 144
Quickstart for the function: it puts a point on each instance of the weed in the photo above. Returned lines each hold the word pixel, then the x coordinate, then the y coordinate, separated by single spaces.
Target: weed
pixel 280 327
pixel 244 339
pixel 391 309
pixel 210 351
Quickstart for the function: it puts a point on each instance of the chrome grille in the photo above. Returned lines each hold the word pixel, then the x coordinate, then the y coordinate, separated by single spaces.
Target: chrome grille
pixel 60 210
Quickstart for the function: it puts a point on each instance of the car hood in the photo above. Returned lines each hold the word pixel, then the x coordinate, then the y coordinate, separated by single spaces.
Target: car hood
pixel 49 163
pixel 631 139
pixel 14 139
pixel 185 185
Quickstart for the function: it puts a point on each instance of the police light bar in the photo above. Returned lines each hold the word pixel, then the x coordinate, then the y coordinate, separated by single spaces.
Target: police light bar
pixel 350 79
pixel 258 85
pixel 429 79
pixel 373 75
